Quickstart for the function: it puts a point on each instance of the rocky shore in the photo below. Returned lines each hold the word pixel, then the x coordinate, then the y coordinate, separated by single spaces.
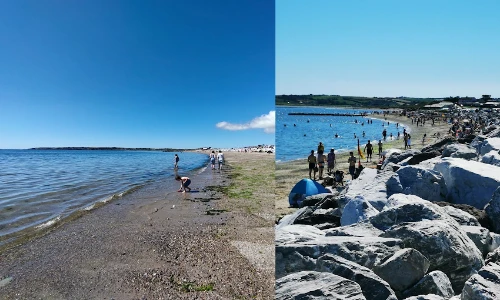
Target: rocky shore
pixel 156 243
pixel 425 225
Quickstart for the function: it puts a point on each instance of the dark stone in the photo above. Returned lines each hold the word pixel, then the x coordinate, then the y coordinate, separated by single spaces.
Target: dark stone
pixel 479 214
pixel 466 140
pixel 328 202
pixel 315 199
pixel 418 158
pixel 439 146
pixel 308 217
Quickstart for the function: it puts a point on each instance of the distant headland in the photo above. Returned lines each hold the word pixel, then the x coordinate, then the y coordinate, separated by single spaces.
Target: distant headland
pixel 114 148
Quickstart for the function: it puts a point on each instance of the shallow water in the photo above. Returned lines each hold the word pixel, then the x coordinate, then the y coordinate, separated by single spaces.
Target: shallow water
pixel 39 187
pixel 296 142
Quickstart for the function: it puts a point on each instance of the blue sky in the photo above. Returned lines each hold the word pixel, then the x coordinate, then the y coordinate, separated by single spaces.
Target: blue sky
pixel 388 48
pixel 136 73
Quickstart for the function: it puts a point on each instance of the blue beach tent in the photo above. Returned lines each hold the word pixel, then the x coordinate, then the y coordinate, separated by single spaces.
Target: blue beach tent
pixel 302 189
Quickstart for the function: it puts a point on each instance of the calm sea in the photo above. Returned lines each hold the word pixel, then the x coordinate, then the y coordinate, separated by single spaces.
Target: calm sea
pixel 38 187
pixel 296 142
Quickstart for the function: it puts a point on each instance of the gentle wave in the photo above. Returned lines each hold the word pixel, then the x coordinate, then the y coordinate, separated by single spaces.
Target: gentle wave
pixel 40 189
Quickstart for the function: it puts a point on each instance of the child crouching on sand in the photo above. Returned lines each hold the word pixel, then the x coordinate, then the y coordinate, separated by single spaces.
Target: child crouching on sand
pixel 185 182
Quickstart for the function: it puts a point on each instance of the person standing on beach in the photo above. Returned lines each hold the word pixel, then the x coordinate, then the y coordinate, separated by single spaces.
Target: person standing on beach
pixel 405 138
pixel 321 149
pixel 331 160
pixel 352 164
pixel 311 159
pixel 409 141
pixel 379 148
pixel 212 159
pixel 321 164
pixel 369 150
pixel 220 159
pixel 176 161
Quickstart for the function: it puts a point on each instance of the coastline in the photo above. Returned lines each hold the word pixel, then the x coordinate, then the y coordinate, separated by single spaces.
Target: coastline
pixel 289 173
pixel 151 243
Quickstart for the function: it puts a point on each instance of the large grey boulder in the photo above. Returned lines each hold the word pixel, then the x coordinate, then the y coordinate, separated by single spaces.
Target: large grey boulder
pixel 492 209
pixel 495 241
pixel 357 210
pixel 479 214
pixel 409 265
pixel 397 157
pixel 295 254
pixel 360 229
pixel 469 182
pixel 394 185
pixel 406 208
pixel 493 257
pixel 426 297
pixel 462 217
pixel 371 185
pixel 483 286
pixel 435 282
pixel 310 216
pixel 290 219
pixel 480 236
pixel 459 151
pixel 317 285
pixel 444 244
pixel 427 184
pixel 490 144
pixel 297 233
pixel 491 158
pixel 373 287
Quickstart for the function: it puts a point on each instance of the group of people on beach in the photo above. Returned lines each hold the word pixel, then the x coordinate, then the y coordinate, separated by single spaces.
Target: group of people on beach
pixel 186 181
pixel 317 164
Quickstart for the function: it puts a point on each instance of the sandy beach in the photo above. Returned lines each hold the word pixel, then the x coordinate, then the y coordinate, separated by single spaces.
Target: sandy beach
pixel 289 173
pixel 157 243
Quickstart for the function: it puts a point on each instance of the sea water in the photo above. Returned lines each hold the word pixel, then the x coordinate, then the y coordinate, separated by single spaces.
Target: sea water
pixel 297 135
pixel 41 187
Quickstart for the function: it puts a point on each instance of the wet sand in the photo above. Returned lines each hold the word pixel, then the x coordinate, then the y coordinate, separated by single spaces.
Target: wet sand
pixel 289 173
pixel 154 243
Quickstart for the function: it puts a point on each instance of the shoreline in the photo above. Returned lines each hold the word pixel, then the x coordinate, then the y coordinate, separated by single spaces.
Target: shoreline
pixel 290 172
pixel 34 231
pixel 153 243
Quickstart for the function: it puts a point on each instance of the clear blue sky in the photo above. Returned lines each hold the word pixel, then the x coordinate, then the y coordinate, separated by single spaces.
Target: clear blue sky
pixel 388 48
pixel 130 73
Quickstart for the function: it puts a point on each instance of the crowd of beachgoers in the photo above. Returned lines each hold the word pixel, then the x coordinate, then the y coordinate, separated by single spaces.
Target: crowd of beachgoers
pixel 430 214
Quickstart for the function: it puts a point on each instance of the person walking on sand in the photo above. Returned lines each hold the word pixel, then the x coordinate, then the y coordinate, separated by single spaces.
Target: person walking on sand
pixel 331 160
pixel 212 159
pixel 220 159
pixel 423 138
pixel 369 150
pixel 379 148
pixel 185 182
pixel 311 159
pixel 176 161
pixel 409 141
pixel 352 164
pixel 405 138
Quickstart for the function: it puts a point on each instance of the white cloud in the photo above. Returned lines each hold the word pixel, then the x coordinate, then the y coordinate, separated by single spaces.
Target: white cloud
pixel 266 122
